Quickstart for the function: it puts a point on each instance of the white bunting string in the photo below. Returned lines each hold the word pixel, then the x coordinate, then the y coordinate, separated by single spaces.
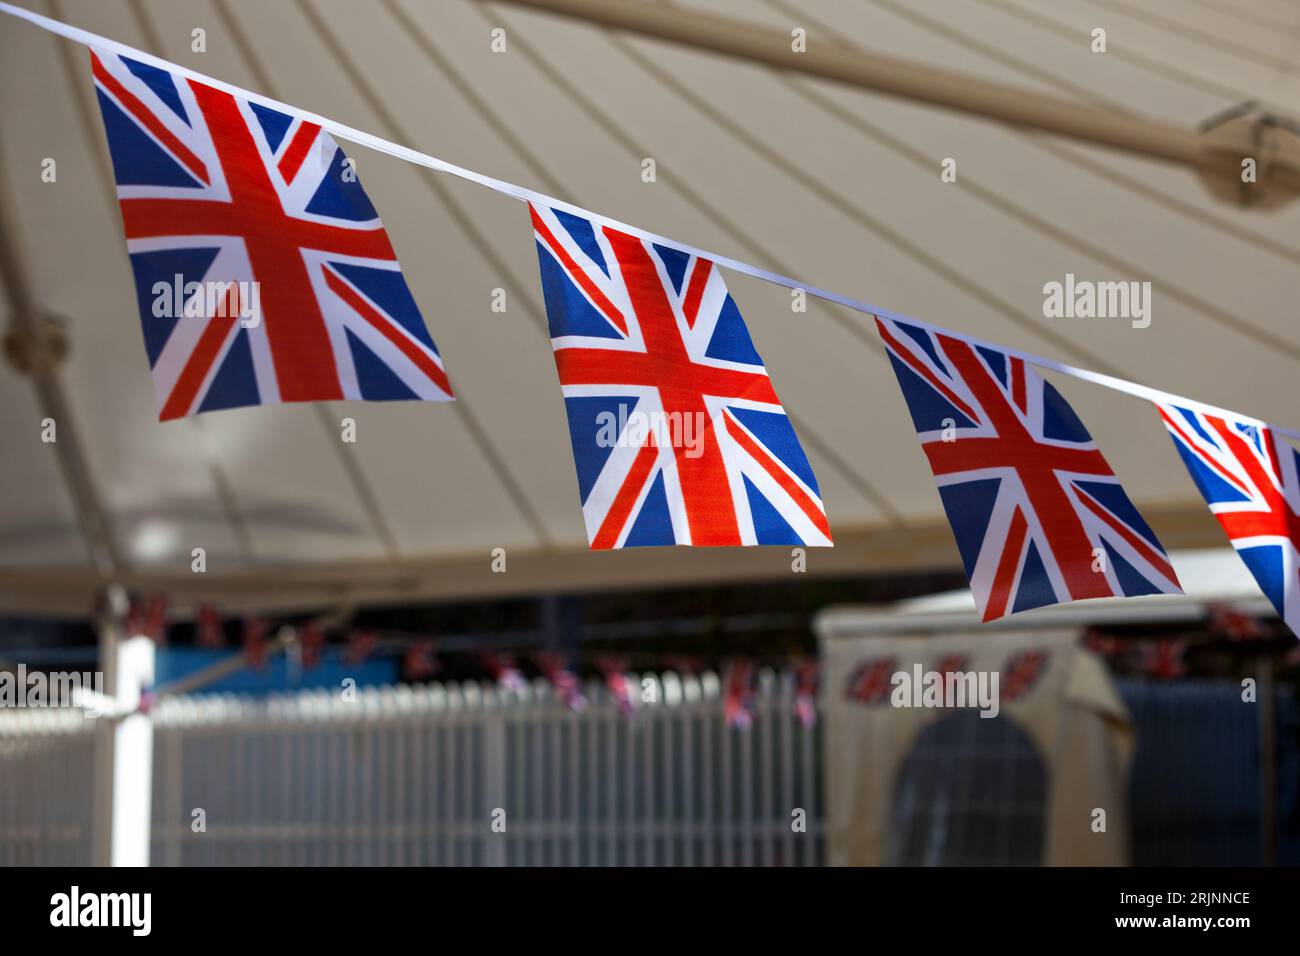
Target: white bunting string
pixel 354 135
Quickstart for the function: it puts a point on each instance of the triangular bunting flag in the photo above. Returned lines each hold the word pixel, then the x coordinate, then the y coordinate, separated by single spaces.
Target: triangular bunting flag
pixel 678 435
pixel 262 271
pixel 1248 477
pixel 1038 514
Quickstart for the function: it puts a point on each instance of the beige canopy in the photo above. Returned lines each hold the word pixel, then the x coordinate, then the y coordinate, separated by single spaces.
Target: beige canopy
pixel 834 185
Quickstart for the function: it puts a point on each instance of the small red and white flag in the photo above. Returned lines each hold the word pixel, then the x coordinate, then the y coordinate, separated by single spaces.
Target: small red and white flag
pixel 255 631
pixel 1164 658
pixel 209 632
pixel 805 693
pixel 567 686
pixel 421 660
pixel 312 642
pixel 502 669
pixel 614 670
pixel 738 697
pixel 361 644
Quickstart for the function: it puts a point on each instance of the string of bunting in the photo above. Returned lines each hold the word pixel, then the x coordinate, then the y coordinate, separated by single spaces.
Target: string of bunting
pixel 1161 658
pixel 312 306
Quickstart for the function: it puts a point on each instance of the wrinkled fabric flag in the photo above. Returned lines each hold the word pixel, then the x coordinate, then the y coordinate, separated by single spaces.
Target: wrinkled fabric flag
pixel 1038 515
pixel 677 433
pixel 263 274
pixel 1248 477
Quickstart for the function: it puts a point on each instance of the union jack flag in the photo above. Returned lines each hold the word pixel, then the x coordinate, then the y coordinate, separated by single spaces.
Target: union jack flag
pixel 1038 515
pixel 1022 673
pixel 678 435
pixel 1249 479
pixel 870 681
pixel 262 271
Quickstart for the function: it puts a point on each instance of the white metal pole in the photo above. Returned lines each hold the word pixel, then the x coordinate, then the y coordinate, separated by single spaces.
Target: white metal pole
pixel 109 626
pixel 132 755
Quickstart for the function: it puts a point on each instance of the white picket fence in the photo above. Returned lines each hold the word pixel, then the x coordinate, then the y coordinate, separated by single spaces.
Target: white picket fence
pixel 454 774
pixel 47 759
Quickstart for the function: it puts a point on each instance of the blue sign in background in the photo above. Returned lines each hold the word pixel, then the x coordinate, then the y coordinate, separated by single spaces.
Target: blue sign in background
pixel 277 674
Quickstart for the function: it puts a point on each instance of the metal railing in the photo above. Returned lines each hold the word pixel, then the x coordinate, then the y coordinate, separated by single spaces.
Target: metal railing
pixel 440 774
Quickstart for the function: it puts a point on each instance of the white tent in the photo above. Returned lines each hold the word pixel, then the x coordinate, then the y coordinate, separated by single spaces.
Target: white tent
pixel 831 184
pixel 1209 576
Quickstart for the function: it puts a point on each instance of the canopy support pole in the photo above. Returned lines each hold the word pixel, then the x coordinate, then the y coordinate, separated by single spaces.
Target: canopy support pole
pixel 36 346
pixel 1215 154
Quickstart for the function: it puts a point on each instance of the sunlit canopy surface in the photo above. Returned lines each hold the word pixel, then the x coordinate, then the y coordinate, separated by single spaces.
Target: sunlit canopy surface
pixel 837 186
